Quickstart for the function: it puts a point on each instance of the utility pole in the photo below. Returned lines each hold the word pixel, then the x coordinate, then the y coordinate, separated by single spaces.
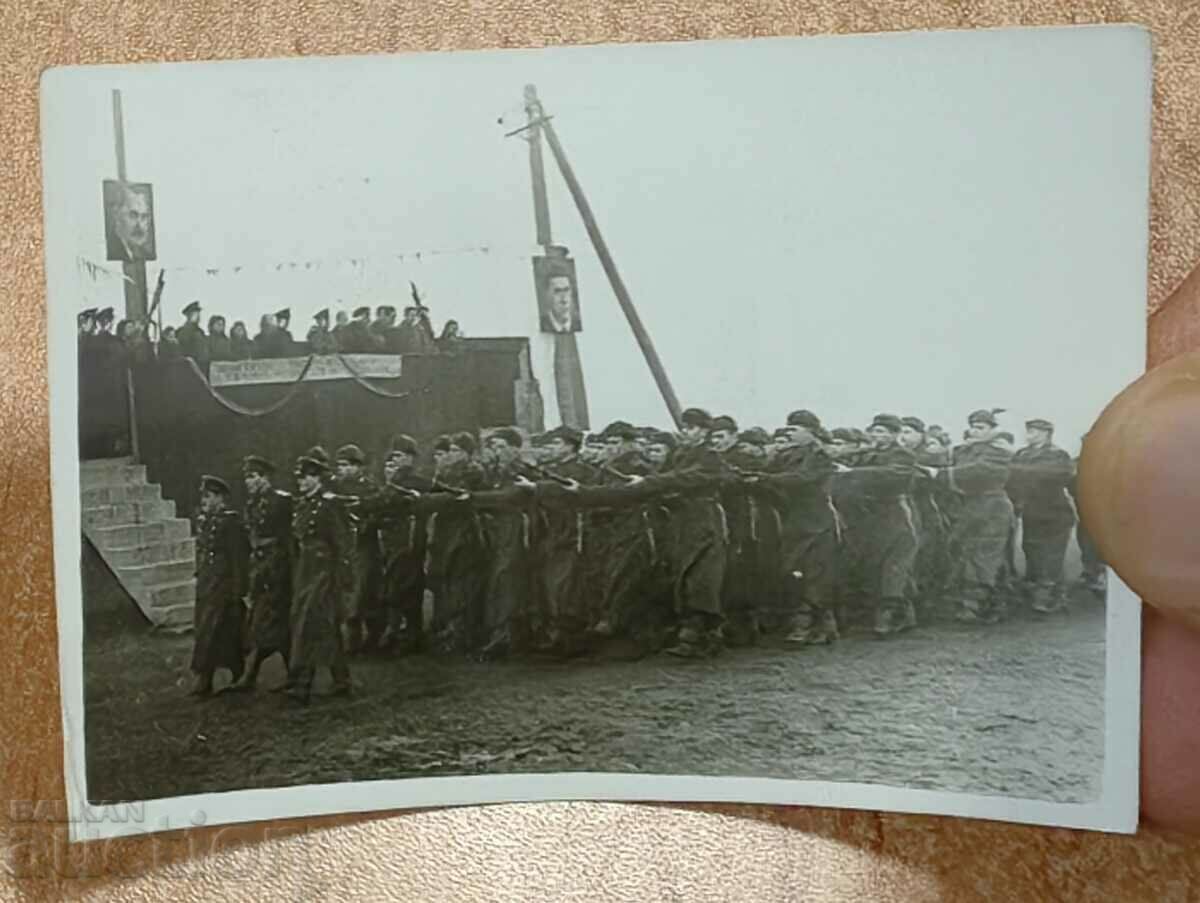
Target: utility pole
pixel 610 270
pixel 537 171
pixel 135 271
pixel 569 388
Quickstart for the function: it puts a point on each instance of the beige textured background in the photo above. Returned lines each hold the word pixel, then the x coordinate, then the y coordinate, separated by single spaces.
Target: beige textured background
pixel 542 852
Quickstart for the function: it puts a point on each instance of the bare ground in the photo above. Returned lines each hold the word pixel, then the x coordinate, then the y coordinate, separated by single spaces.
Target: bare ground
pixel 1015 709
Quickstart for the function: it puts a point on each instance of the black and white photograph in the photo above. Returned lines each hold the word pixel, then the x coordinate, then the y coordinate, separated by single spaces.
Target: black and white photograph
pixel 353 514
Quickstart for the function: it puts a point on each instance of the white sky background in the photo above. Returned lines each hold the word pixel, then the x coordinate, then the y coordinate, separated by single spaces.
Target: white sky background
pixel 920 224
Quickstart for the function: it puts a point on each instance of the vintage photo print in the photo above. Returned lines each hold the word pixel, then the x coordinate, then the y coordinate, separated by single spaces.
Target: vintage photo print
pixel 351 514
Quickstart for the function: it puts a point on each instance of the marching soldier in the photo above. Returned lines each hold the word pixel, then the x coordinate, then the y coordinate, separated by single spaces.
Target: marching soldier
pixel 560 536
pixel 364 622
pixel 842 445
pixel 618 551
pixel 220 586
pixel 742 592
pixel 798 483
pixel 269 523
pixel 659 445
pixel 1039 476
pixel 592 450
pixel 457 557
pixel 882 482
pixel 764 525
pixel 979 471
pixel 401 532
pixel 689 484
pixel 931 525
pixel 507 525
pixel 320 571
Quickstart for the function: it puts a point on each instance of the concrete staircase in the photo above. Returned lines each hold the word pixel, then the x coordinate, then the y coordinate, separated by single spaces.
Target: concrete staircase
pixel 136 532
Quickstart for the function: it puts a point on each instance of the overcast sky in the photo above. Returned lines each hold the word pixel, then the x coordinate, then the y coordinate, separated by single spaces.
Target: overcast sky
pixel 921 224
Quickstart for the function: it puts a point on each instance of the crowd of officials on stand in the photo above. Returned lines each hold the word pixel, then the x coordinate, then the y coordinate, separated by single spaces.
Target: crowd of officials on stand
pixel 679 542
pixel 357 333
pixel 107 353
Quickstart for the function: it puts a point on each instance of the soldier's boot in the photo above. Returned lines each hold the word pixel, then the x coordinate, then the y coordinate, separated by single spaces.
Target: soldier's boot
pixel 692 641
pixel 894 615
pixel 449 638
pixel 374 631
pixel 972 607
pixel 289 681
pixel 341 680
pixel 1055 599
pixel 1097 583
pixel 1043 601
pixel 742 630
pixel 547 636
pixel 498 646
pixel 202 684
pixel 388 638
pixel 995 609
pixel 249 678
pixel 802 628
pixel 829 625
pixel 602 628
pixel 905 616
pixel 573 639
pixel 299 686
pixel 407 642
pixel 351 630
pixel 714 635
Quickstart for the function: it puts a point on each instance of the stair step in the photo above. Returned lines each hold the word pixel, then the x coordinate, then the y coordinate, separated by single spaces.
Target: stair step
pixel 174 618
pixel 157 573
pixel 91 478
pixel 124 536
pixel 169 595
pixel 98 465
pixel 96 496
pixel 151 553
pixel 128 513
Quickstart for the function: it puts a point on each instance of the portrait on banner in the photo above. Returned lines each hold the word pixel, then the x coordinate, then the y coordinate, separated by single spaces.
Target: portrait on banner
pixel 129 220
pixel 558 295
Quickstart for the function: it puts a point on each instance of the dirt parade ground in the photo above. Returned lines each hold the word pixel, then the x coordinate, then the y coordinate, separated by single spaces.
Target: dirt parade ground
pixel 1014 709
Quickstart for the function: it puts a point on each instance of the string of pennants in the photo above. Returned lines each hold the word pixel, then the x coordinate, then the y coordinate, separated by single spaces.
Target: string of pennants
pixel 96 271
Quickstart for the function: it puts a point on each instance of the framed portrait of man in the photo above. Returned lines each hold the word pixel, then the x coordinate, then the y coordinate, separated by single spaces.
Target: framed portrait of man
pixel 558 295
pixel 129 220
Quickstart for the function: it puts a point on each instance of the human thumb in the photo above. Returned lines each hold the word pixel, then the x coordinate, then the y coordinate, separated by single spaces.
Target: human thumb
pixel 1139 496
pixel 1139 487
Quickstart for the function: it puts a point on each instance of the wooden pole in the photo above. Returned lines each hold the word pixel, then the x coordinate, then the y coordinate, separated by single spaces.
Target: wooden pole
pixel 537 171
pixel 569 389
pixel 614 277
pixel 135 271
pixel 135 277
pixel 119 133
